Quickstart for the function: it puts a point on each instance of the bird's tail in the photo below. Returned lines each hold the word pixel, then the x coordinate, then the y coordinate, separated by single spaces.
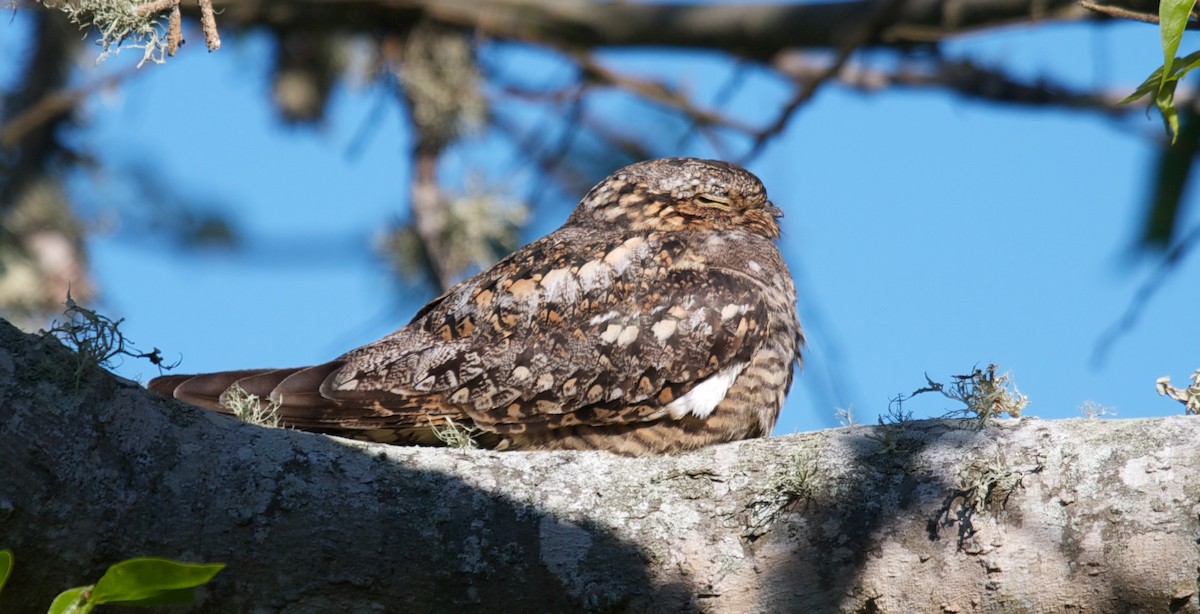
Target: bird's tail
pixel 215 391
pixel 293 396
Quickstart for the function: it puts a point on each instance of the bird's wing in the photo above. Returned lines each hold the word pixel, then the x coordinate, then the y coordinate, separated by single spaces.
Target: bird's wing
pixel 559 334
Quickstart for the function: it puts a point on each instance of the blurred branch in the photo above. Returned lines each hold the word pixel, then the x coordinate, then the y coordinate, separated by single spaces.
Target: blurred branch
pixel 882 15
pixel 429 218
pixel 962 77
pixel 51 107
pixel 1172 174
pixel 747 30
pixel 1168 265
pixel 547 159
pixel 723 96
pixel 441 86
pixel 42 252
pixel 555 169
pixel 595 73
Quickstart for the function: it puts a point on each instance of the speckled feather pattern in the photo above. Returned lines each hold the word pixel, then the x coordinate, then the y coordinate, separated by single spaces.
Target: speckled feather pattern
pixel 660 318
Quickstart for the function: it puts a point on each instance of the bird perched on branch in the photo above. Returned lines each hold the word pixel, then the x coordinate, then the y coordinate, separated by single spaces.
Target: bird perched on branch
pixel 660 318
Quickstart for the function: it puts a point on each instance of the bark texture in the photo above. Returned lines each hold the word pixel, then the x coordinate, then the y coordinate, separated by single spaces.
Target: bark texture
pixel 931 516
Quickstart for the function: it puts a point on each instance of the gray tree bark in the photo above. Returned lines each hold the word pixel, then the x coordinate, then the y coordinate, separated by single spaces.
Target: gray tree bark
pixel 928 516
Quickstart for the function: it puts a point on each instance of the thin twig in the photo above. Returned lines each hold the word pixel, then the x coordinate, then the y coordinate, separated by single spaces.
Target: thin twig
pixel 174 29
pixel 728 89
pixel 157 6
pixel 966 79
pixel 1121 12
pixel 556 154
pixel 1117 11
pixel 208 22
pixel 865 35
pixel 659 92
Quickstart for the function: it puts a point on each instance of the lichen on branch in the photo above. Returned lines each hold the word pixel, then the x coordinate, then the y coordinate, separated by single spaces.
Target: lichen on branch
pixel 137 25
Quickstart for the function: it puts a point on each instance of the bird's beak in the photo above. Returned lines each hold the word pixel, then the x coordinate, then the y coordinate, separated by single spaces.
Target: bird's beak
pixel 775 212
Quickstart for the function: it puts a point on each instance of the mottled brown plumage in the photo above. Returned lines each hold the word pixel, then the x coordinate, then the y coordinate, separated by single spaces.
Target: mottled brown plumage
pixel 659 318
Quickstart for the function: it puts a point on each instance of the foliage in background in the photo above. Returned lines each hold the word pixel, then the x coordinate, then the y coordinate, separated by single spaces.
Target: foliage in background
pixel 6 565
pixel 1173 20
pixel 1177 158
pixel 479 228
pixel 441 67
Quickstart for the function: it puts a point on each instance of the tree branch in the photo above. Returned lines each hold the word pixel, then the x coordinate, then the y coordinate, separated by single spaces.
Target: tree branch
pixel 1094 515
pixel 748 30
pixel 964 78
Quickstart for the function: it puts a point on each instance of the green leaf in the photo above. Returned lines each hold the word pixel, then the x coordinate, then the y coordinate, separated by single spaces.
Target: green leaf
pixel 1164 92
pixel 145 580
pixel 1186 64
pixel 72 601
pixel 1172 18
pixel 178 596
pixel 1165 101
pixel 6 565
pixel 1179 68
pixel 1149 85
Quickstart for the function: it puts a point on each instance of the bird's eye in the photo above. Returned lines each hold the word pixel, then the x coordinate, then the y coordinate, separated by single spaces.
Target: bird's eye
pixel 714 202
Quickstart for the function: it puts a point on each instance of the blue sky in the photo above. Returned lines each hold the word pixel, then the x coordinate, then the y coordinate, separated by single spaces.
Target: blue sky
pixel 927 233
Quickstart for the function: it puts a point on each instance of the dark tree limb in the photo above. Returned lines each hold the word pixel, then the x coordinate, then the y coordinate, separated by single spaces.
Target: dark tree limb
pixel 749 30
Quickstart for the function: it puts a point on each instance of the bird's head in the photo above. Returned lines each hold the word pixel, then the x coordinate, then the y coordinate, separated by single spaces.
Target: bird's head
pixel 681 194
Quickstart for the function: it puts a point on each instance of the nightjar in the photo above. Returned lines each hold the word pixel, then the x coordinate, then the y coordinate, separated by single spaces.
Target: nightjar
pixel 659 318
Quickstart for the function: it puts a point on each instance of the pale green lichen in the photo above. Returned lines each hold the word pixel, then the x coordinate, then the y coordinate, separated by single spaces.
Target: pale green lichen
pixel 1093 410
pixel 120 23
pixel 988 394
pixel 1190 396
pixel 844 416
pixel 442 83
pixel 891 426
pixel 800 480
pixel 456 435
pixel 250 408
pixel 984 485
pixel 985 393
pixel 987 483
